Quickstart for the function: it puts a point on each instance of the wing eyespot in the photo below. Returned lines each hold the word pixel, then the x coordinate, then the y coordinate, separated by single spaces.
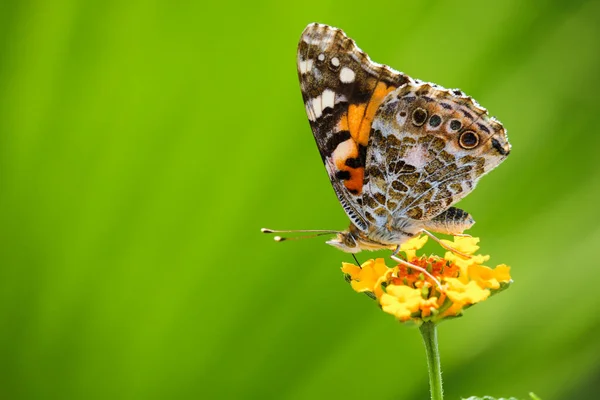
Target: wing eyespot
pixel 468 140
pixel 454 125
pixel 419 116
pixel 435 121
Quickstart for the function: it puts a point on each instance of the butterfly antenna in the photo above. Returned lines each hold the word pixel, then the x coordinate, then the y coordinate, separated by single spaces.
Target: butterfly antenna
pixel 313 233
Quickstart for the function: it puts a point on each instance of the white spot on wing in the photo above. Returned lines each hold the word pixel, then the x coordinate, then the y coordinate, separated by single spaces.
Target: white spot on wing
pixel 328 98
pixel 305 66
pixel 344 150
pixel 310 41
pixel 317 107
pixel 340 98
pixel 347 75
pixel 335 62
pixel 401 119
pixel 417 157
pixel 321 57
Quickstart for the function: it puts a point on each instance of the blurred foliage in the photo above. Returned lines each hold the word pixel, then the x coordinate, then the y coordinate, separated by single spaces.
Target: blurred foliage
pixel 144 143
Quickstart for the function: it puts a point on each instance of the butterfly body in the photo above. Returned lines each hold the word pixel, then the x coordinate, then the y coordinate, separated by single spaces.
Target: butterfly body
pixel 399 152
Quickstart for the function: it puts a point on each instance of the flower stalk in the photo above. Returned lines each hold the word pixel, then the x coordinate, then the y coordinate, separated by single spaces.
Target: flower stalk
pixel 429 333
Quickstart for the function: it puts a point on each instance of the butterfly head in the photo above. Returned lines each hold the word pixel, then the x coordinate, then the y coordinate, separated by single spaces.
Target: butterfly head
pixel 354 240
pixel 345 242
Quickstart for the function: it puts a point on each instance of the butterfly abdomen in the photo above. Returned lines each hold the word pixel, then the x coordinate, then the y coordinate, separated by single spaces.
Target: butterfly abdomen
pixel 451 222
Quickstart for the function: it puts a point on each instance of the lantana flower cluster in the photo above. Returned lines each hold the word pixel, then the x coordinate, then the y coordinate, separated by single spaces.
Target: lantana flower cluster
pixel 410 295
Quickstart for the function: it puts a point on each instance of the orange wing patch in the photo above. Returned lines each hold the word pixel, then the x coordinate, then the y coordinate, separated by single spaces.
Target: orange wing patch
pixel 353 177
pixel 355 183
pixel 360 116
pixel 358 122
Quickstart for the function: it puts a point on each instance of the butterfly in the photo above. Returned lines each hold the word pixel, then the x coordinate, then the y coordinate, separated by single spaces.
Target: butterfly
pixel 399 152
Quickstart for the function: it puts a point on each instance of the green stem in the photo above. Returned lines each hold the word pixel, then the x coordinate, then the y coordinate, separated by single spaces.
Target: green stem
pixel 429 334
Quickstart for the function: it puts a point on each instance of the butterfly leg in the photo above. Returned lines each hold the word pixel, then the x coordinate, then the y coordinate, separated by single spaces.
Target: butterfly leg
pixel 409 265
pixel 445 246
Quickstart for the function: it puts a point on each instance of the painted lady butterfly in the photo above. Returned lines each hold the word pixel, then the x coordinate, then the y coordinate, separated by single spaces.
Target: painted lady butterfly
pixel 399 152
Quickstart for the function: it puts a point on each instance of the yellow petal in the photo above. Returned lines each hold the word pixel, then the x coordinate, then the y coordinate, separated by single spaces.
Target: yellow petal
pixel 415 243
pixel 365 278
pixel 411 246
pixel 464 244
pixel 464 264
pixel 360 286
pixel 405 294
pixel 488 277
pixel 503 273
pixel 379 268
pixel 454 309
pixel 465 294
pixel 351 269
pixel 378 288
pixel 401 301
pixel 390 305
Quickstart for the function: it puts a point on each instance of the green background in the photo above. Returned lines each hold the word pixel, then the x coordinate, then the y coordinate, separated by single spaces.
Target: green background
pixel 144 143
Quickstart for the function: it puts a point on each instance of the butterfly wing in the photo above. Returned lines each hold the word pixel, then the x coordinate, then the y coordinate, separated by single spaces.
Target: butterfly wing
pixel 434 146
pixel 342 90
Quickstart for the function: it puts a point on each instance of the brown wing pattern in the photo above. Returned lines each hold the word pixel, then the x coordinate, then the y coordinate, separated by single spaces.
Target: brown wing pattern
pixel 342 91
pixel 438 143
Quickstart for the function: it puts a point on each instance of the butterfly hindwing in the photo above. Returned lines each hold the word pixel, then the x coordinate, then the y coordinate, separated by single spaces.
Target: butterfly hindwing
pixel 342 90
pixel 434 145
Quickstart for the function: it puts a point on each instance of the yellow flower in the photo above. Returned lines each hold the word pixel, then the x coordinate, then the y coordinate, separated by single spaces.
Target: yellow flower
pixel 488 277
pixel 401 301
pixel 462 295
pixel 467 245
pixel 411 295
pixel 365 277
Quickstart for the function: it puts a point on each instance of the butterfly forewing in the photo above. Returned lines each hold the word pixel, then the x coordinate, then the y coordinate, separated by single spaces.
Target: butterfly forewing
pixel 342 90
